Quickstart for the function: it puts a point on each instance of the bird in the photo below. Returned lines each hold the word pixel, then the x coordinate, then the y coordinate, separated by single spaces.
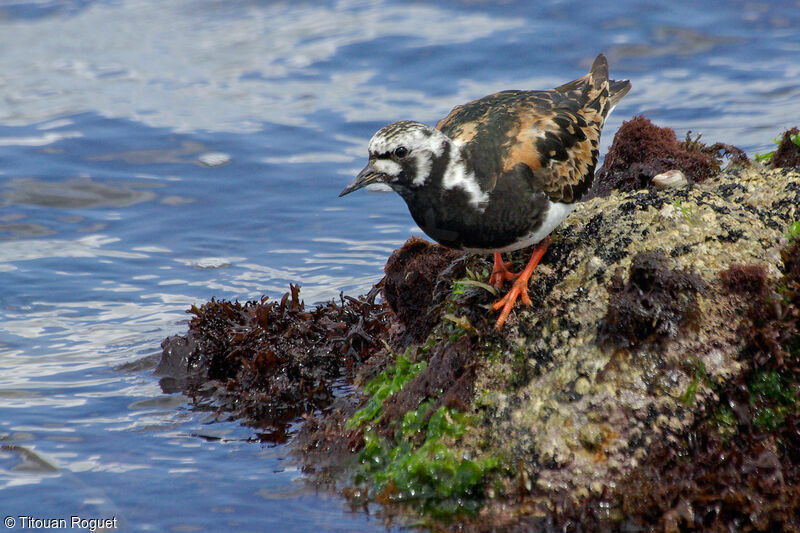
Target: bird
pixel 499 173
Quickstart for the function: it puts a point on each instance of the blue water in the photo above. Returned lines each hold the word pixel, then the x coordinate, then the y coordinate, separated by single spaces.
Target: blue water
pixel 155 154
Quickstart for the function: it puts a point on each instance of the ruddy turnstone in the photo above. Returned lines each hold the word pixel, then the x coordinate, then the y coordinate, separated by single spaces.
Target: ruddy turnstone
pixel 499 173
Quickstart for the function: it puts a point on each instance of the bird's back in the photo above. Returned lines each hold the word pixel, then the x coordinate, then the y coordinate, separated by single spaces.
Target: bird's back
pixel 554 133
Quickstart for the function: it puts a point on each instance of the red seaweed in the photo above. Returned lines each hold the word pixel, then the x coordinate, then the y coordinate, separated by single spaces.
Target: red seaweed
pixel 641 150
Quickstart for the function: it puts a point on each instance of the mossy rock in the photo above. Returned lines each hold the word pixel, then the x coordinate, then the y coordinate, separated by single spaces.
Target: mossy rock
pixel 593 405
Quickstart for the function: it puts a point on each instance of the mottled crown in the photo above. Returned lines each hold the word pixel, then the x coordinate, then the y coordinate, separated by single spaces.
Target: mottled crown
pixel 412 135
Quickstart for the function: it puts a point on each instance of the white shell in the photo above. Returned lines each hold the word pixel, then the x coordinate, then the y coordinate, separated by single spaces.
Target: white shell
pixel 670 179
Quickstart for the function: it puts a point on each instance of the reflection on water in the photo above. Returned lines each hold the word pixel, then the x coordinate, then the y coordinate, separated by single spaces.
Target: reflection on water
pixel 90 247
pixel 208 71
pixel 156 154
pixel 671 40
pixel 73 193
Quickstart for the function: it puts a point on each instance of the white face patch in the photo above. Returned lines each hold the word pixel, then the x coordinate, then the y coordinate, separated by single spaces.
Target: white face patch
pixel 424 165
pixel 387 166
pixel 457 175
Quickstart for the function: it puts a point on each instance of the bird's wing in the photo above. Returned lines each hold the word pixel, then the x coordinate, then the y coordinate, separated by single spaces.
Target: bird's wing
pixel 554 133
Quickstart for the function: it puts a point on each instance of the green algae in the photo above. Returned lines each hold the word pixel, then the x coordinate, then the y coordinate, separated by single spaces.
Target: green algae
pixel 686 212
pixel 699 375
pixel 723 420
pixel 388 382
pixel 793 231
pixel 773 396
pixel 420 464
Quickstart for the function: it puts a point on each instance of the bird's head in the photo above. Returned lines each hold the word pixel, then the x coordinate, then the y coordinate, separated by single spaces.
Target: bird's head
pixel 401 155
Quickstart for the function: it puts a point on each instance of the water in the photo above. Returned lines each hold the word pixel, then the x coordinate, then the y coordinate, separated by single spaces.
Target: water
pixel 156 154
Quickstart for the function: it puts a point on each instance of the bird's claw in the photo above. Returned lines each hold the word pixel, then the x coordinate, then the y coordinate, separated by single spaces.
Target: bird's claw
pixel 506 303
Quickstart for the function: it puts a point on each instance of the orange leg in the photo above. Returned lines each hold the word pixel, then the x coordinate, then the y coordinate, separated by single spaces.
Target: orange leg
pixel 520 287
pixel 500 272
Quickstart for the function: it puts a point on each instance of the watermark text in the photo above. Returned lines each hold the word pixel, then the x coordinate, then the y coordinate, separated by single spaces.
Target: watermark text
pixel 73 522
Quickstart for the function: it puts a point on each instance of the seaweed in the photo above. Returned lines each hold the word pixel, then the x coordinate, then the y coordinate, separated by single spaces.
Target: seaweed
pixel 793 232
pixel 771 324
pixel 656 301
pixel 420 465
pixel 710 485
pixel 744 279
pixel 788 152
pixel 270 362
pixel 387 383
pixel 407 431
pixel 448 378
pixel 642 150
pixel 412 273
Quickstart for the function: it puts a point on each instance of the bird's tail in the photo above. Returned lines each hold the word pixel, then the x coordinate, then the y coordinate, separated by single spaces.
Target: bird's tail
pixel 598 75
pixel 617 89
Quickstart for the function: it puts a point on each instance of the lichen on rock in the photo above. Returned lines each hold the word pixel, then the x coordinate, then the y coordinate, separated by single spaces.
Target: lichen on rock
pixel 631 396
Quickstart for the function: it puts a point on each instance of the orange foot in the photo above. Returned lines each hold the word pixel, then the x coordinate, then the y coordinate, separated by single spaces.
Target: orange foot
pixel 520 287
pixel 500 272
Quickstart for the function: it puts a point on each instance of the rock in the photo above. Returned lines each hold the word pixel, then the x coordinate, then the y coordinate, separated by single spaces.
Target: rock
pixel 637 391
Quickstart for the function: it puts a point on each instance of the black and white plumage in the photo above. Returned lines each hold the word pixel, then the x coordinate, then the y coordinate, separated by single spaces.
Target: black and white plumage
pixel 499 173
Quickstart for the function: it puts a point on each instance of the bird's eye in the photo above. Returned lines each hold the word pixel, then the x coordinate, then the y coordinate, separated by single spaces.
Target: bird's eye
pixel 401 152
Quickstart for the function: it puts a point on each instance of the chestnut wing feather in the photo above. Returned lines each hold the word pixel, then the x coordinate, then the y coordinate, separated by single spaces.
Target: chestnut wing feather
pixel 555 133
